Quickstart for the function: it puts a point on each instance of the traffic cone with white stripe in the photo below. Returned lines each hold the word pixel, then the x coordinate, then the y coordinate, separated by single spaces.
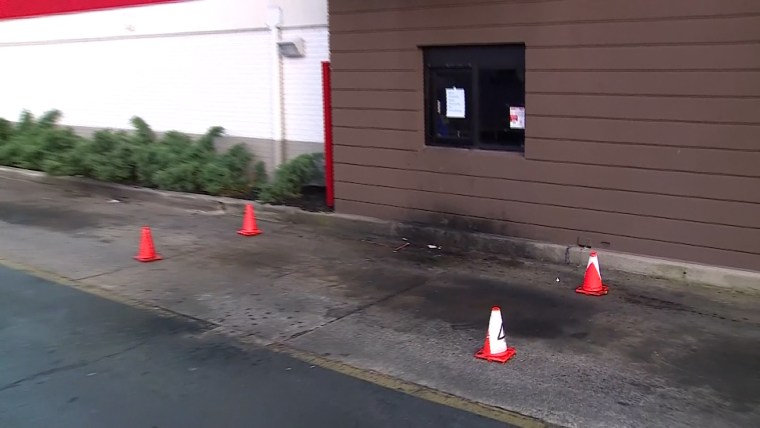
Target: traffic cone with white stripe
pixel 592 282
pixel 495 347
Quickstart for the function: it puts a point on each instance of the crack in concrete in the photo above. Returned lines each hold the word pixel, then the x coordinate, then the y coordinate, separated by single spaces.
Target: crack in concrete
pixel 362 308
pixel 68 367
pixel 124 268
pixel 96 275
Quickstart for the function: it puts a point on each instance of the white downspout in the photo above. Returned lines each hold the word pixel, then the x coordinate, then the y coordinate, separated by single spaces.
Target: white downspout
pixel 274 20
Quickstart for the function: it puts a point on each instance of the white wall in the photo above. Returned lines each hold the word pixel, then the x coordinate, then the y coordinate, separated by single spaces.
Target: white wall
pixel 167 18
pixel 300 13
pixel 183 66
pixel 302 86
pixel 185 83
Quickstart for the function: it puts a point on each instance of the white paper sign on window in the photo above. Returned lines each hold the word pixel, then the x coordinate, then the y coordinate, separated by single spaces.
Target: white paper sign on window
pixel 455 103
pixel 517 117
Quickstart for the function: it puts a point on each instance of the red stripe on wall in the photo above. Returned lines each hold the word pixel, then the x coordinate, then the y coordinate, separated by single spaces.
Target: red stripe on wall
pixel 28 8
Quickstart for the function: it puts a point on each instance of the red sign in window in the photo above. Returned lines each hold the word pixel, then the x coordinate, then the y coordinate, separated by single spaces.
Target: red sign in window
pixel 29 8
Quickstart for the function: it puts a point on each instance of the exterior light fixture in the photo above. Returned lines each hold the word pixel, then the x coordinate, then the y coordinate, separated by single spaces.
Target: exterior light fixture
pixel 293 48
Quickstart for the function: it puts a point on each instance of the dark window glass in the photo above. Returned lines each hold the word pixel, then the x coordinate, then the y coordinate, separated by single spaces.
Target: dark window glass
pixel 475 96
pixel 501 92
pixel 451 113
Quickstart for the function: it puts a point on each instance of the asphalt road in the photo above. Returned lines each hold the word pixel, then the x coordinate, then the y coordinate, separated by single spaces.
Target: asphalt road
pixel 72 359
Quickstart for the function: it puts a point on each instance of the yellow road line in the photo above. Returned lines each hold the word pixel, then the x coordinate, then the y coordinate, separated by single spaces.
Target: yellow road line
pixel 412 389
pixel 371 376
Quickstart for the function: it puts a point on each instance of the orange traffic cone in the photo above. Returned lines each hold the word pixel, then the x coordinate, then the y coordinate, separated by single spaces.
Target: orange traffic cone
pixel 495 348
pixel 592 282
pixel 147 251
pixel 249 223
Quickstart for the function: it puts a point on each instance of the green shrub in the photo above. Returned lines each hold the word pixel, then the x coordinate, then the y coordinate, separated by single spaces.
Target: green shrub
pixel 110 156
pixel 6 130
pixel 31 142
pixel 71 163
pixel 182 177
pixel 143 132
pixel 291 177
pixel 260 172
pixel 229 173
pixel 178 163
pixel 26 122
pixel 173 162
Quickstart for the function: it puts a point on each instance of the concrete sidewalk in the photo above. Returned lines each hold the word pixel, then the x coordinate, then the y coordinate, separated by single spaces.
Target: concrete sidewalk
pixel 652 353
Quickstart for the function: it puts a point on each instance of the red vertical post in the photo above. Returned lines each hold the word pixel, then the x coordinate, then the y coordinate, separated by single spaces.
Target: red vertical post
pixel 327 111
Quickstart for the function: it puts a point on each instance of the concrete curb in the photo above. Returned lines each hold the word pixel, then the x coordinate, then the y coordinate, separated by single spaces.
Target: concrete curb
pixel 348 225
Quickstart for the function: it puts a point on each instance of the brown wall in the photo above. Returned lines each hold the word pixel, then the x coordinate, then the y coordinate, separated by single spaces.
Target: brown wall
pixel 642 123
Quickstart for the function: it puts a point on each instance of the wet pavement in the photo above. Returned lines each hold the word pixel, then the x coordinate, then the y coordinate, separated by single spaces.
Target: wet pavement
pixel 651 353
pixel 72 359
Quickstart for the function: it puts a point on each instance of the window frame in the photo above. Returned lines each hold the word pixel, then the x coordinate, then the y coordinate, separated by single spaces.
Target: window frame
pixel 475 58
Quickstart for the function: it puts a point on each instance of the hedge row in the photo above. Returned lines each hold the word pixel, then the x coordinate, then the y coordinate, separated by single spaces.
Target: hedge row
pixel 174 161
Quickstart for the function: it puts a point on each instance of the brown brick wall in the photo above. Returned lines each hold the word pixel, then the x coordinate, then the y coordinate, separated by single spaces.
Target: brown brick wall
pixel 643 123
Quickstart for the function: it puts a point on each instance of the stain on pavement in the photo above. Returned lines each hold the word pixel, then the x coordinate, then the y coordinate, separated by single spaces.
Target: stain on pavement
pixel 63 220
pixel 464 302
pixel 729 367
